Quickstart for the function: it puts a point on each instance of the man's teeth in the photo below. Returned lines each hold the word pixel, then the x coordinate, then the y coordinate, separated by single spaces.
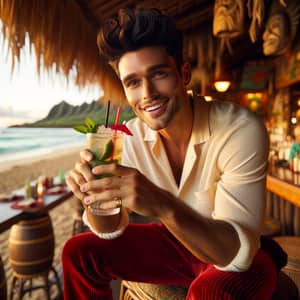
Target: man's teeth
pixel 154 107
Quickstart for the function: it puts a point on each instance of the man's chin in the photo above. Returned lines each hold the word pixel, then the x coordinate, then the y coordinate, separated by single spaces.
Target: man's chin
pixel 156 126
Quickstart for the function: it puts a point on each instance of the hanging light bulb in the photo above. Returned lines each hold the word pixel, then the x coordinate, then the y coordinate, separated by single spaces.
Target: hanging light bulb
pixel 208 98
pixel 222 86
pixel 222 80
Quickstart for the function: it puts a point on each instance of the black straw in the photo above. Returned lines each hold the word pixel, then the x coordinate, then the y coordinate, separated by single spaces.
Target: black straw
pixel 107 113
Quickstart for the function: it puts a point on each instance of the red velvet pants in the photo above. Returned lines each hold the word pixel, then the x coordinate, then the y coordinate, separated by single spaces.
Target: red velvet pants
pixel 149 253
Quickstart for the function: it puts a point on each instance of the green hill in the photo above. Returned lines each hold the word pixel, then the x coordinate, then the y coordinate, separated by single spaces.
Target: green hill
pixel 67 115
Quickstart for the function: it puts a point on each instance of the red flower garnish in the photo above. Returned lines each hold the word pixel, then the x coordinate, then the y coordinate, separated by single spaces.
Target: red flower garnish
pixel 121 127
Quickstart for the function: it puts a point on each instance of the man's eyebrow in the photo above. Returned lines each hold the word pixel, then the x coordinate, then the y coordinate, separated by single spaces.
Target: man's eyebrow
pixel 159 66
pixel 150 69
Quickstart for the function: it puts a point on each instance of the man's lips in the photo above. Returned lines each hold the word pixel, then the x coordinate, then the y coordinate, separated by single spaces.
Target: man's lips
pixel 154 106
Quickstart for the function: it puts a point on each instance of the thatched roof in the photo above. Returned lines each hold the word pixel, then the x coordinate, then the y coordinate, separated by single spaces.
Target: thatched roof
pixel 61 36
pixel 62 33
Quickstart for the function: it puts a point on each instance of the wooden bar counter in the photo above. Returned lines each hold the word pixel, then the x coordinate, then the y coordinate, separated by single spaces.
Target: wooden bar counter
pixel 283 199
pixel 284 183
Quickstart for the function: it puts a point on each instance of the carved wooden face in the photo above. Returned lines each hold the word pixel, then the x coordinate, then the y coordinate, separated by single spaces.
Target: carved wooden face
pixel 276 36
pixel 228 18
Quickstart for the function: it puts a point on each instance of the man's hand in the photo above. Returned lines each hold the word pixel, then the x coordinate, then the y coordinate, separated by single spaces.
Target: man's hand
pixel 137 192
pixel 80 175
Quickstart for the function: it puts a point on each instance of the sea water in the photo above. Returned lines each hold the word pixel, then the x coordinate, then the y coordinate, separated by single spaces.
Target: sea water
pixel 19 143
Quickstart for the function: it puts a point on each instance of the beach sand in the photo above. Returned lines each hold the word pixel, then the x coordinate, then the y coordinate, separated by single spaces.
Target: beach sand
pixel 15 175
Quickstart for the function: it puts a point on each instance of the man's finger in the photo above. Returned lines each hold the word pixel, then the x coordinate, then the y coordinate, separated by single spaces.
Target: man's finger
pixel 74 188
pixel 106 195
pixel 84 170
pixel 86 155
pixel 77 177
pixel 114 169
pixel 100 184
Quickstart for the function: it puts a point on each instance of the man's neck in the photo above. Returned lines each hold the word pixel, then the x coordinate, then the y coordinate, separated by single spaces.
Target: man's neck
pixel 176 139
pixel 178 132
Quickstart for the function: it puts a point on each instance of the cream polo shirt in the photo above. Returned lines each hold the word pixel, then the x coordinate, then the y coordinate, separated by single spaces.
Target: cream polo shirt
pixel 224 171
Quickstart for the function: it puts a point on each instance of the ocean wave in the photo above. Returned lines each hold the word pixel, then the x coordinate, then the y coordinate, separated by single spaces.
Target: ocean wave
pixel 18 148
pixel 32 141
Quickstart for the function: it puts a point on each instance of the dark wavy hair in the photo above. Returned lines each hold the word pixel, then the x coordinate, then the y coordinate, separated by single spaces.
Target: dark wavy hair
pixel 133 29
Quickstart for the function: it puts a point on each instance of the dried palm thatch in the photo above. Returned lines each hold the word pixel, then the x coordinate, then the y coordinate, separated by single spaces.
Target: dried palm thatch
pixel 201 49
pixel 257 14
pixel 62 39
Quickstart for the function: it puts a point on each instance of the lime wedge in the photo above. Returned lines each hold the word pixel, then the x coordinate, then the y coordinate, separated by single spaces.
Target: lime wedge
pixel 108 151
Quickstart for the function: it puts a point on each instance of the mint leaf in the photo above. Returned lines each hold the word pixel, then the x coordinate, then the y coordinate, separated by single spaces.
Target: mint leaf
pixel 89 123
pixel 81 128
pixel 95 128
pixel 89 127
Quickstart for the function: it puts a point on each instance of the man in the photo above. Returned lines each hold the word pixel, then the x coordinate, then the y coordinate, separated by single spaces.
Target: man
pixel 198 167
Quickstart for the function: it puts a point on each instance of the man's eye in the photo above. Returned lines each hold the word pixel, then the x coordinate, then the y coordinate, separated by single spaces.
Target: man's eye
pixel 132 83
pixel 159 74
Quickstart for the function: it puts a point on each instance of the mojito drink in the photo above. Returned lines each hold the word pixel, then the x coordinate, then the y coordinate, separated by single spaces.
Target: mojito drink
pixel 106 146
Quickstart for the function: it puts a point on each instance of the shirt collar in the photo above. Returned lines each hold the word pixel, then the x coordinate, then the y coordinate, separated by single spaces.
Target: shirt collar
pixel 201 129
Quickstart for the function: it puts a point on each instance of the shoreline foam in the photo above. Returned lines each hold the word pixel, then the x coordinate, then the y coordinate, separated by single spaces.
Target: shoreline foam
pixel 25 158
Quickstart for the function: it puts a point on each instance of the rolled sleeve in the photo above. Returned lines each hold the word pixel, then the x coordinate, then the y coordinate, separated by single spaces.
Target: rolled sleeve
pixel 250 244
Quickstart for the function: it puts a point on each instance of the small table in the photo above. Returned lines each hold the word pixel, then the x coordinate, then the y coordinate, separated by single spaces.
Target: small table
pixel 10 216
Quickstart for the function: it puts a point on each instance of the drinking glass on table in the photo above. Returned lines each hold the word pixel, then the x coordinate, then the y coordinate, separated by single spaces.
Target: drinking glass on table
pixel 106 146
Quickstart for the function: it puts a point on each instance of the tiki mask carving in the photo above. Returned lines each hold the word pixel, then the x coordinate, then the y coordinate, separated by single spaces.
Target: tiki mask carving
pixel 228 19
pixel 281 27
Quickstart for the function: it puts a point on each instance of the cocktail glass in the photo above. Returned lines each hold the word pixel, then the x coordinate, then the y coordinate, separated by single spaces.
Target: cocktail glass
pixel 106 146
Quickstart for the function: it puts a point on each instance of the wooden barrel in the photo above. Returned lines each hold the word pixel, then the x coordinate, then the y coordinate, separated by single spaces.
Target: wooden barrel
pixel 291 245
pixel 31 246
pixel 3 288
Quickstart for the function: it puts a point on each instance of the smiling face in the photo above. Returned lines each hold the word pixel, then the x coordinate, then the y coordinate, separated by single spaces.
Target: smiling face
pixel 276 35
pixel 153 85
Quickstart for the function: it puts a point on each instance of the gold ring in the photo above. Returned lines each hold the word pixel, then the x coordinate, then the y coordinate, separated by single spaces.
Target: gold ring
pixel 118 202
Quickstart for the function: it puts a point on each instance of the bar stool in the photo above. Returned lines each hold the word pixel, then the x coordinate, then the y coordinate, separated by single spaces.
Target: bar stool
pixel 145 291
pixel 291 245
pixel 286 289
pixel 31 251
pixel 3 289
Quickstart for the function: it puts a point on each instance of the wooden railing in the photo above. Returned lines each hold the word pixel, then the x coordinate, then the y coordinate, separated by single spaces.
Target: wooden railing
pixel 283 200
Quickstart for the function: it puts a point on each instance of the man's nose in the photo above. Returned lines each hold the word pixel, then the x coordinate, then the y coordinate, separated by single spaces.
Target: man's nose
pixel 148 89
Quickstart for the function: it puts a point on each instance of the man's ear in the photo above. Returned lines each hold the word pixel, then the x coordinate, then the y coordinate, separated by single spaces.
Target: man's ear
pixel 186 73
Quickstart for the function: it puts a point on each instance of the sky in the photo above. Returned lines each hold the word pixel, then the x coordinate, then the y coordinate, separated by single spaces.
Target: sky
pixel 24 97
